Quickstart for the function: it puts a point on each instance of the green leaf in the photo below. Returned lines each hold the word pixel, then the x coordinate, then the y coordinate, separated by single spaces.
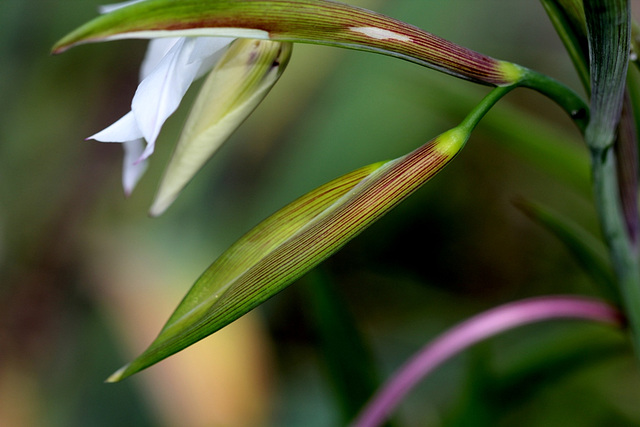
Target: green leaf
pixel 292 241
pixel 635 43
pixel 588 251
pixel 303 21
pixel 567 16
pixel 347 358
pixel 609 31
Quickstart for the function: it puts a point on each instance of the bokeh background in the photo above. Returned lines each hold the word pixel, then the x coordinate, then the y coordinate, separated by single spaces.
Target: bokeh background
pixel 87 278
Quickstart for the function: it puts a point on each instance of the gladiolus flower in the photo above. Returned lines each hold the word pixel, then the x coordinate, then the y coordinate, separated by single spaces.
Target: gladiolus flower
pixel 169 68
pixel 200 29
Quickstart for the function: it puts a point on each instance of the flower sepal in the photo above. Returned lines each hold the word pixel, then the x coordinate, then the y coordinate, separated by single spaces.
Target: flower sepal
pixel 239 82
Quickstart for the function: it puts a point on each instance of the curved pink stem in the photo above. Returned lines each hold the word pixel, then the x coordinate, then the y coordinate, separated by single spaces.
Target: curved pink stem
pixel 474 330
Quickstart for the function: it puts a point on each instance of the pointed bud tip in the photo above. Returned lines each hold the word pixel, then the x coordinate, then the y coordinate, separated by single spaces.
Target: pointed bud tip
pixel 62 45
pixel 117 375
pixel 159 206
pixel 58 48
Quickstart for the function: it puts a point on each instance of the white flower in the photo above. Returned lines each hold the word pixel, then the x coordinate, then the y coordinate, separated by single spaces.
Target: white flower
pixel 241 79
pixel 169 68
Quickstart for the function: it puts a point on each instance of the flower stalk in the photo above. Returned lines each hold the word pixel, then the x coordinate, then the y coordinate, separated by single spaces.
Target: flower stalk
pixel 564 97
pixel 472 331
pixel 609 31
pixel 318 22
pixel 301 235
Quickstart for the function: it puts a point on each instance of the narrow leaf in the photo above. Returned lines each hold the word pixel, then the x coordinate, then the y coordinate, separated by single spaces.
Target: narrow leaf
pixel 635 43
pixel 608 25
pixel 609 32
pixel 304 21
pixel 292 241
pixel 348 361
pixel 589 252
pixel 567 16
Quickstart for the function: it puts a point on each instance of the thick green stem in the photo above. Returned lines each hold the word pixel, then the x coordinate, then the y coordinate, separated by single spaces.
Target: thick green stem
pixel 607 199
pixel 609 33
pixel 606 190
pixel 623 255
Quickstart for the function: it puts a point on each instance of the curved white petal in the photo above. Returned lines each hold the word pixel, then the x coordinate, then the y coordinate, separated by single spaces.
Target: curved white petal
pixel 235 87
pixel 156 50
pixel 125 129
pixel 160 93
pixel 170 66
pixel 207 51
pixel 132 167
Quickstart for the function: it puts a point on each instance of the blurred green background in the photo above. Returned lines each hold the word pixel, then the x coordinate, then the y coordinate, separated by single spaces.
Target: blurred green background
pixel 87 278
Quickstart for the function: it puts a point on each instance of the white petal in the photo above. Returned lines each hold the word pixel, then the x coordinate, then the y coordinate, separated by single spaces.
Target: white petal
pixel 247 33
pixel 125 129
pixel 156 50
pixel 207 51
pixel 148 151
pixel 159 95
pixel 132 167
pixel 242 78
pixel 111 7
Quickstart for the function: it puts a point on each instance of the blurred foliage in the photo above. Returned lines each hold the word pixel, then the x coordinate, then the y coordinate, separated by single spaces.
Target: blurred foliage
pixel 87 279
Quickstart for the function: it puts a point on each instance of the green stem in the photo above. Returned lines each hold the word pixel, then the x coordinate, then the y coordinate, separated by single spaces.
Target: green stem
pixel 482 108
pixel 566 98
pixel 606 193
pixel 623 255
pixel 609 31
pixel 606 190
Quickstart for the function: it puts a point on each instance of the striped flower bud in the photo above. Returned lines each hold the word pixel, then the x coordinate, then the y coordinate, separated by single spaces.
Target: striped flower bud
pixel 291 242
pixel 304 21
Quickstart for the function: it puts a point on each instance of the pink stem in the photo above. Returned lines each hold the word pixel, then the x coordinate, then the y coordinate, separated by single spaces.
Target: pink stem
pixel 474 330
